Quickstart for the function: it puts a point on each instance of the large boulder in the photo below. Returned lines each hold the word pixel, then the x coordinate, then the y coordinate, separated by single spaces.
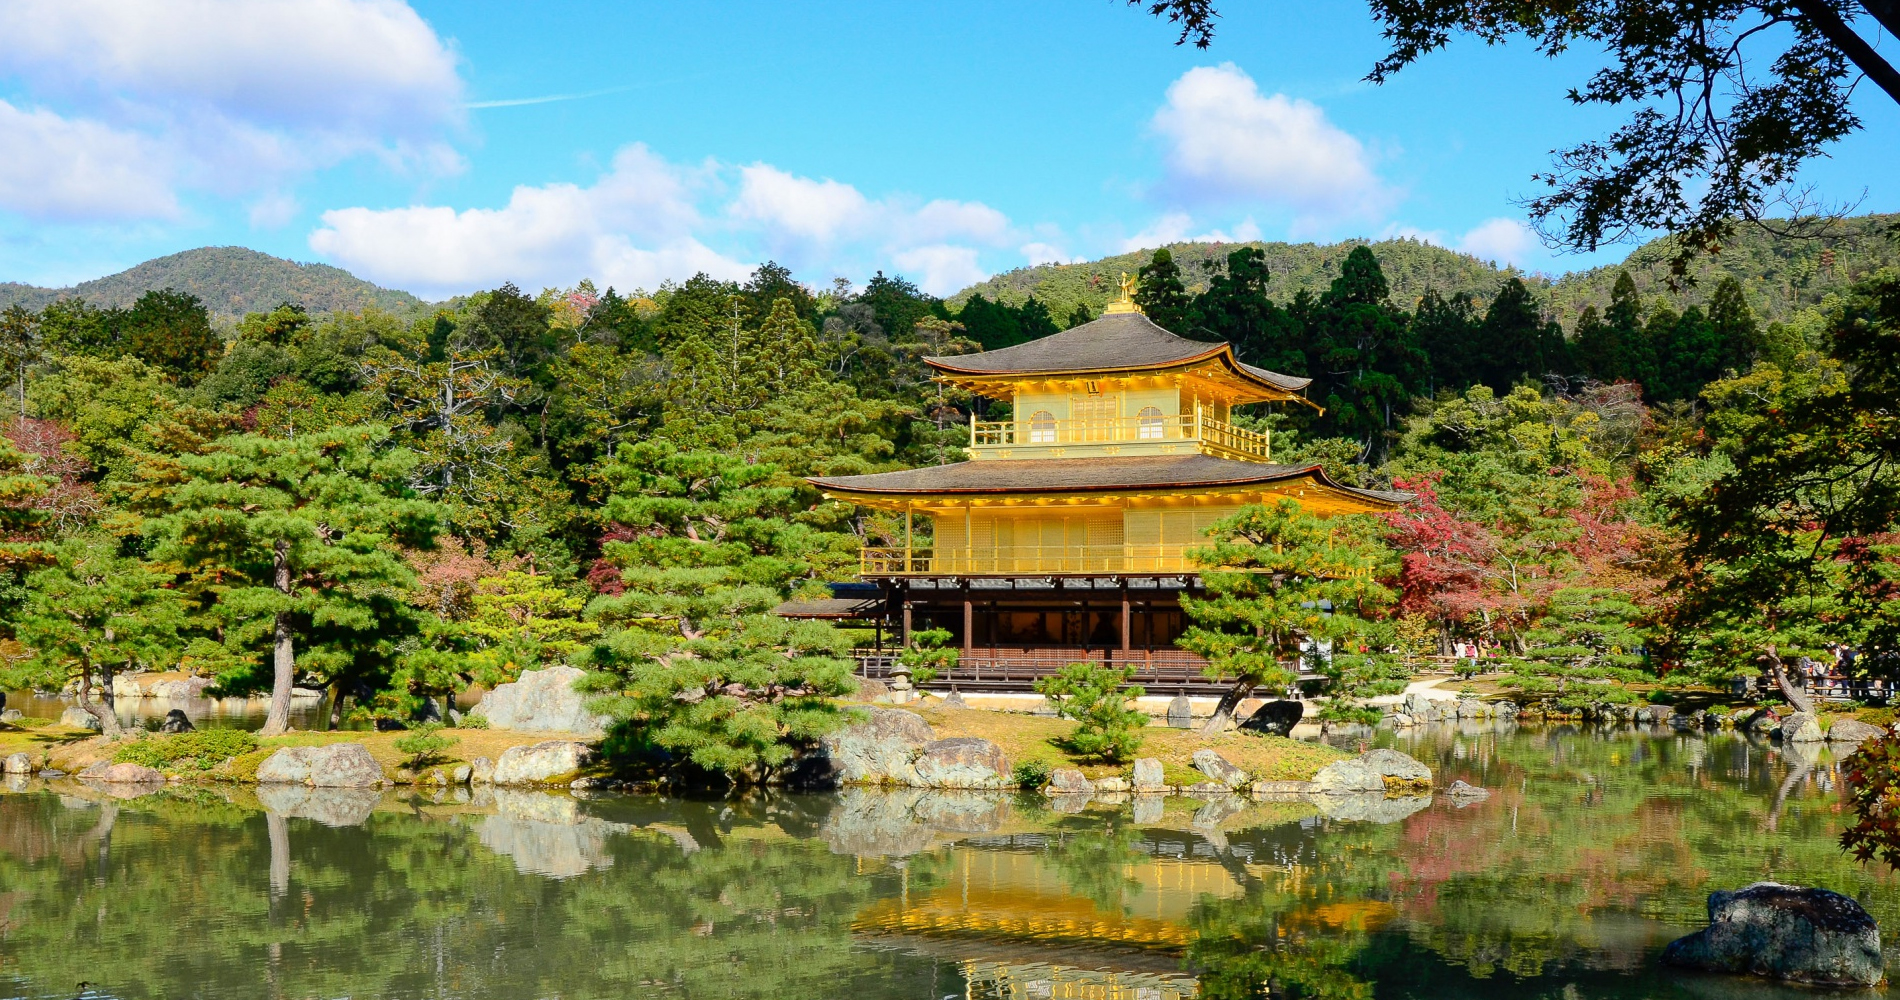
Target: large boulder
pixel 1853 731
pixel 1218 768
pixel 1472 708
pixel 338 765
pixel 1802 727
pixel 554 762
pixel 19 763
pixel 79 718
pixel 1347 777
pixel 961 762
pixel 542 701
pixel 1149 776
pixel 1068 781
pixel 1275 718
pixel 1180 712
pixel 881 750
pixel 176 722
pixel 1786 932
pixel 127 774
pixel 1421 708
pixel 1396 768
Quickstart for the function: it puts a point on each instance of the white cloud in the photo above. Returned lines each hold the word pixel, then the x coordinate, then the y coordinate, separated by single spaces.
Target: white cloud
pixel 633 228
pixel 646 220
pixel 59 168
pixel 803 217
pixel 799 207
pixel 1046 253
pixel 1507 241
pixel 1228 143
pixel 941 269
pixel 228 96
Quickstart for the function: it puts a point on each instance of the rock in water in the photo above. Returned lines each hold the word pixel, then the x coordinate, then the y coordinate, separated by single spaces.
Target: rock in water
pixel 19 763
pixel 1067 781
pixel 1802 727
pixel 881 750
pixel 79 718
pixel 1275 718
pixel 1853 731
pixel 1149 775
pixel 339 765
pixel 1396 767
pixel 1344 777
pixel 128 774
pixel 1785 932
pixel 1180 712
pixel 542 701
pixel 552 762
pixel 12 715
pixel 1219 768
pixel 962 762
pixel 1464 795
pixel 176 722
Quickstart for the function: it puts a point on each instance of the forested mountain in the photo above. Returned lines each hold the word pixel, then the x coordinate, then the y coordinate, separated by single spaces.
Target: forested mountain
pixel 1779 276
pixel 230 281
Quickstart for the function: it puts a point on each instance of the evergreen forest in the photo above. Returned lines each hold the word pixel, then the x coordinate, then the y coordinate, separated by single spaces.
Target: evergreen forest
pixel 392 507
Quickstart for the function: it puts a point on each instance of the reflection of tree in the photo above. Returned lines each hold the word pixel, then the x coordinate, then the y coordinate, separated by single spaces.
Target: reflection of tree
pixel 1248 948
pixel 1093 857
pixel 411 904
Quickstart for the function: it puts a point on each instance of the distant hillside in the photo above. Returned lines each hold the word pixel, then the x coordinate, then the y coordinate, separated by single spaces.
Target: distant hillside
pixel 1410 266
pixel 230 280
pixel 1782 276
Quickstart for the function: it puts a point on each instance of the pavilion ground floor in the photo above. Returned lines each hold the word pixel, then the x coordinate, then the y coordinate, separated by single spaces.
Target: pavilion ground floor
pixel 1011 632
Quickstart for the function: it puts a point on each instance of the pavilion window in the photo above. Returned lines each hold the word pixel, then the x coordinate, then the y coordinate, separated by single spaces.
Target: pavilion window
pixel 1149 424
pixel 1042 427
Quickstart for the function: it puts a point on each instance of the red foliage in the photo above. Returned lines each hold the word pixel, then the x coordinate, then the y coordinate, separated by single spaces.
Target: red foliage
pixel 604 576
pixel 1443 556
pixel 70 501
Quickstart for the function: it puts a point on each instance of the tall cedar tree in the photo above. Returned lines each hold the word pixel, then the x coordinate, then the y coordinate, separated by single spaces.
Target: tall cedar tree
pixel 1160 293
pixel 1235 308
pixel 1365 356
pixel 299 536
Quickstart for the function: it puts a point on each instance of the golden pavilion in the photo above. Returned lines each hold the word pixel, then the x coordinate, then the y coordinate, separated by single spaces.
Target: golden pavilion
pixel 1066 534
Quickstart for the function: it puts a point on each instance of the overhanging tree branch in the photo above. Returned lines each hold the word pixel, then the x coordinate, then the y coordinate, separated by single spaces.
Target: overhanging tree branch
pixel 1828 22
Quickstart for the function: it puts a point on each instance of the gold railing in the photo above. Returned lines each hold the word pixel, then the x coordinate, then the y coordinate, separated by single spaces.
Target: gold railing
pixel 1026 559
pixel 1219 435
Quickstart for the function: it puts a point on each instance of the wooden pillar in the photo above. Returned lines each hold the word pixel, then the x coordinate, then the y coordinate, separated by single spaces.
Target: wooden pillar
pixel 969 619
pixel 1127 626
pixel 903 597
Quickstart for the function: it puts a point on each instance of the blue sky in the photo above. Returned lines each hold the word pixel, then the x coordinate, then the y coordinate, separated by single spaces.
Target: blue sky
pixel 444 147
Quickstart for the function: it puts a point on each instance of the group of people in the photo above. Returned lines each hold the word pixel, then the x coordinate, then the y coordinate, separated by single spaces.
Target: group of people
pixel 1831 675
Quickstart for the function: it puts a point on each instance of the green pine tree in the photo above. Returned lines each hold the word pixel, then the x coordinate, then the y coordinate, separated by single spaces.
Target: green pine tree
pixel 294 539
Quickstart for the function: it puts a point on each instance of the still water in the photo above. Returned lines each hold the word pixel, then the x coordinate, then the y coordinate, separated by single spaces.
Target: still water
pixel 1594 851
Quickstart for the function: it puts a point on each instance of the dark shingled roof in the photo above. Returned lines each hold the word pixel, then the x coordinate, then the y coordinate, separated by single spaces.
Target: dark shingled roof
pixel 841 608
pixel 1115 342
pixel 1089 474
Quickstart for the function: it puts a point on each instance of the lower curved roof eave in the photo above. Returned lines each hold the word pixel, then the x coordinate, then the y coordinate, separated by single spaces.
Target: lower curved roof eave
pixel 1089 475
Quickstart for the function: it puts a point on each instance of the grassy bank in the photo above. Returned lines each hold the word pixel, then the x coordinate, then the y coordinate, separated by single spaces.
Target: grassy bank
pixel 1037 738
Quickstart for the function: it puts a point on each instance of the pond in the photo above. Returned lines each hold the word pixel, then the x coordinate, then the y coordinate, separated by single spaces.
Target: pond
pixel 1594 851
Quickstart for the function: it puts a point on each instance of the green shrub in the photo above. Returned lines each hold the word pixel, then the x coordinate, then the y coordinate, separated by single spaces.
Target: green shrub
pixel 200 749
pixel 473 722
pixel 424 744
pixel 929 653
pixel 1094 695
pixel 1031 774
